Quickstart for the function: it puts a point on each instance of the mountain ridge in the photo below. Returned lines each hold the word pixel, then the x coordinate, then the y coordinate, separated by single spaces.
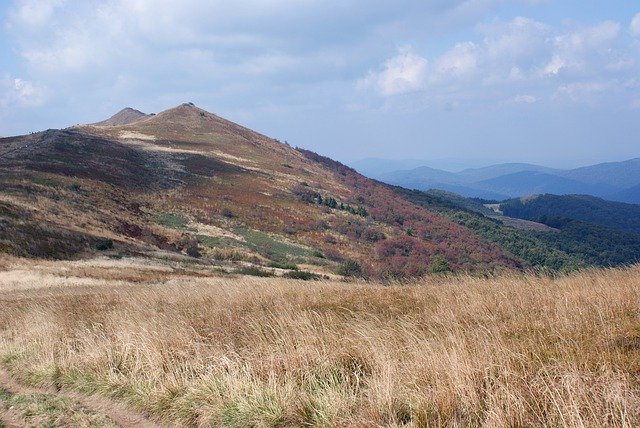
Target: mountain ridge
pixel 611 180
pixel 187 182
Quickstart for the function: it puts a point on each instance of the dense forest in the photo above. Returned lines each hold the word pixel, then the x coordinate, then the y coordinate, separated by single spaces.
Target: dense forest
pixel 616 215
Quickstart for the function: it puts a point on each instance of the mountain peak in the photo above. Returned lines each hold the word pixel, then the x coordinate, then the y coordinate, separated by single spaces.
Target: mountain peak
pixel 124 117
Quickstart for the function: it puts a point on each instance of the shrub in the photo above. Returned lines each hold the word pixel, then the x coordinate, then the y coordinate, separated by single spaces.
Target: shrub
pixel 439 265
pixel 350 268
pixel 254 271
pixel 283 265
pixel 104 244
pixel 303 275
pixel 226 212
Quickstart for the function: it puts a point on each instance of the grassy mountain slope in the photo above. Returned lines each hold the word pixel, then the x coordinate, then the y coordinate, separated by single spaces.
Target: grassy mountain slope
pixel 187 182
pixel 123 117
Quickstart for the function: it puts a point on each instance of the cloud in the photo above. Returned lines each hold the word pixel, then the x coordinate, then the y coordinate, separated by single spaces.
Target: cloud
pixel 16 92
pixel 33 14
pixel 525 99
pixel 520 56
pixel 583 92
pixel 634 27
pixel 459 62
pixel 400 74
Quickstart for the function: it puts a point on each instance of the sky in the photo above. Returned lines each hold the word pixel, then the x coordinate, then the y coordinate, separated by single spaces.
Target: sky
pixel 553 82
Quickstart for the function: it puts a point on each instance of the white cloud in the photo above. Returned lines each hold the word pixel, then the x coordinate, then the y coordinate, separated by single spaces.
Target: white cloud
pixel 403 73
pixel 16 92
pixel 33 14
pixel 583 92
pixel 554 66
pixel 461 61
pixel 634 27
pixel 525 56
pixel 525 99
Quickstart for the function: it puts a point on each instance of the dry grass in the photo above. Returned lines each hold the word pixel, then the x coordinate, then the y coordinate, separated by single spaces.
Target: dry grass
pixel 462 352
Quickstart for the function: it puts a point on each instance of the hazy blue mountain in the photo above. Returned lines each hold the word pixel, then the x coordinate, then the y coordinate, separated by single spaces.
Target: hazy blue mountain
pixel 623 175
pixel 630 195
pixel 423 174
pixel 425 178
pixel 375 167
pixel 617 181
pixel 532 183
pixel 493 171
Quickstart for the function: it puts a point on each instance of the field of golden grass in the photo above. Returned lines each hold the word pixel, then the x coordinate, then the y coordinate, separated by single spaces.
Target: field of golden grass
pixel 191 349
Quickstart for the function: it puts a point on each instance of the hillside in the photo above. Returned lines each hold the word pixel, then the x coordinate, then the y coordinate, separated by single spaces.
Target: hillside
pixel 616 215
pixel 123 117
pixel 187 183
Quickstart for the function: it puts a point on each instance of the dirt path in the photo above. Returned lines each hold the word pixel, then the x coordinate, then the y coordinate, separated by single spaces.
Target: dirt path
pixel 116 412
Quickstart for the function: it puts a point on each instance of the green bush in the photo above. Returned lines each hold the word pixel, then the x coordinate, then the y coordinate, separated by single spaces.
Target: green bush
pixel 439 265
pixel 104 245
pixel 254 271
pixel 350 268
pixel 283 265
pixel 303 275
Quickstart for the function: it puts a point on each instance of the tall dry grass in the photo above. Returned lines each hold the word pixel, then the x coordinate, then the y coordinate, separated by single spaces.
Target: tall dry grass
pixel 462 352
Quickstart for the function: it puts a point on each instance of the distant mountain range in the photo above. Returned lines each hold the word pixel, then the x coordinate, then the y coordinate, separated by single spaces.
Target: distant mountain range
pixel 617 181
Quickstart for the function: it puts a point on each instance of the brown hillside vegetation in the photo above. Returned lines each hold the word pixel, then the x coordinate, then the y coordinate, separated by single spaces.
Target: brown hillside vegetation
pixel 186 181
pixel 123 117
pixel 193 349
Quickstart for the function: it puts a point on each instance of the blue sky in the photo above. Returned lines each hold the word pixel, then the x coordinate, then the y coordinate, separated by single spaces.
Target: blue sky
pixel 544 81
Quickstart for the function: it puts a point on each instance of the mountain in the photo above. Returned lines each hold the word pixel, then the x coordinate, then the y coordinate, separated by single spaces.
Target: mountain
pixel 616 215
pixel 123 117
pixel 531 183
pixel 630 195
pixel 615 180
pixel 187 183
pixel 622 175
pixel 473 175
pixel 375 167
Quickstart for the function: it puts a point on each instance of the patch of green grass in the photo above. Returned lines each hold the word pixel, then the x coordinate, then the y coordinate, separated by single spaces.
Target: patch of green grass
pixel 219 242
pixel 254 409
pixel 283 265
pixel 49 410
pixel 173 220
pixel 4 394
pixel 270 247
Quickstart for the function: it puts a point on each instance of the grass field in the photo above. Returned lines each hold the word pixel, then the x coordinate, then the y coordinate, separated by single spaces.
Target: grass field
pixel 188 348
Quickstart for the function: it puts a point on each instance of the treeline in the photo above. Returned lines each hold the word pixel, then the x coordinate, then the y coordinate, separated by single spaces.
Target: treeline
pixel 616 215
pixel 577 244
pixel 596 245
pixel 312 197
pixel 528 246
